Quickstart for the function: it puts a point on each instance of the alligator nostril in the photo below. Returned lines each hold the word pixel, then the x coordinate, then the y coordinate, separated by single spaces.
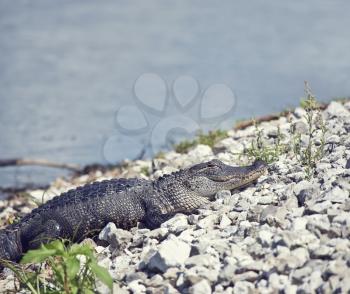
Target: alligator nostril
pixel 259 164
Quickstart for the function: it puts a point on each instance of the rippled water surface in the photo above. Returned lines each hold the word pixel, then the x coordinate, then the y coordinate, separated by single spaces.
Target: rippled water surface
pixel 66 67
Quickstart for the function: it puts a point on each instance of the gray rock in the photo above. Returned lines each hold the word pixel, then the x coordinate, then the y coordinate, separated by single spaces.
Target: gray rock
pixel 224 194
pixel 322 252
pixel 199 153
pixel 267 212
pixel 7 285
pixel 318 221
pixel 336 109
pixel 224 221
pixel 318 207
pixel 299 112
pixel 176 224
pixel 299 223
pixel 278 282
pixel 228 144
pixel 169 289
pixel 228 271
pixel 243 287
pixel 344 284
pixel 274 216
pixel 301 273
pixel 159 233
pixel 265 238
pixel 250 276
pixel 301 254
pixel 139 276
pixel 286 262
pixel 118 289
pixel 312 282
pixel 172 273
pixel 207 222
pixel 334 283
pixel 206 260
pixel 298 238
pixel 342 218
pixel 269 199
pixel 300 127
pixel 347 165
pixel 156 280
pixel 136 287
pixel 305 191
pixel 121 266
pixel 291 203
pixel 171 252
pixel 336 195
pixel 197 273
pixel 201 287
pixel 291 289
pixel 117 238
pixel 333 139
pixel 337 267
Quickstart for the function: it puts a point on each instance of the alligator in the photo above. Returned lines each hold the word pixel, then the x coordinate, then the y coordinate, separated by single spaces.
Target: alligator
pixel 84 211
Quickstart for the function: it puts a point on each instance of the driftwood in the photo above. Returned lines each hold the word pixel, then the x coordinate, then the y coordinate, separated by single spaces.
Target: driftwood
pixel 40 162
pixel 250 122
pixel 247 123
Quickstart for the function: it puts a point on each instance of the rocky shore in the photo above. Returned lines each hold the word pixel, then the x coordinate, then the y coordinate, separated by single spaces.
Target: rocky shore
pixel 286 233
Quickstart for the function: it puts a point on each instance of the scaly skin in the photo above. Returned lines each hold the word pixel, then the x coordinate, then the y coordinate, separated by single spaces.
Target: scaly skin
pixel 84 211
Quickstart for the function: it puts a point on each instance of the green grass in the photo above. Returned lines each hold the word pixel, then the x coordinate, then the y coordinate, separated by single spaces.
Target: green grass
pixel 307 155
pixel 145 170
pixel 311 153
pixel 64 271
pixel 259 149
pixel 210 139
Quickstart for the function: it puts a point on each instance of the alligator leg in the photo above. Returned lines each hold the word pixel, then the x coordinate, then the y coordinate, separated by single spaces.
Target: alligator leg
pixel 10 246
pixel 51 230
pixel 43 228
pixel 154 217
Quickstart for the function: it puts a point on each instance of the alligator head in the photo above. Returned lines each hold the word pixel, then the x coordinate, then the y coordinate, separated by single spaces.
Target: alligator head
pixel 206 179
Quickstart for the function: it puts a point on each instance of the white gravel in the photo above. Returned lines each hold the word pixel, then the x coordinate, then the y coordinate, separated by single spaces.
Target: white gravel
pixel 284 233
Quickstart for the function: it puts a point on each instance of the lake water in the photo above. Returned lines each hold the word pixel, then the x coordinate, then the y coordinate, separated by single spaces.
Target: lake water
pixel 66 67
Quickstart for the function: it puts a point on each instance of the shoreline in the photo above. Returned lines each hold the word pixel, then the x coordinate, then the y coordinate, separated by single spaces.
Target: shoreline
pixel 285 232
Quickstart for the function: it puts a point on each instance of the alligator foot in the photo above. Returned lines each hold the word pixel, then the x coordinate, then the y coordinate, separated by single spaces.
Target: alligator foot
pixel 51 231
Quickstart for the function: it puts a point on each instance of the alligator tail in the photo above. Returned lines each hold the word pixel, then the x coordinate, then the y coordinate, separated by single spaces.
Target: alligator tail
pixel 10 246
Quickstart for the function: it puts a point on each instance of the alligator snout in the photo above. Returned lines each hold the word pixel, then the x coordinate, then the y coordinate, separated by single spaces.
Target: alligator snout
pixel 260 164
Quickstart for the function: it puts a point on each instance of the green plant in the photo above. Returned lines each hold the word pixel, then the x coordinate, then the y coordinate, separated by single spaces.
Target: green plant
pixel 210 139
pixel 145 170
pixel 259 149
pixel 160 155
pixel 69 268
pixel 313 150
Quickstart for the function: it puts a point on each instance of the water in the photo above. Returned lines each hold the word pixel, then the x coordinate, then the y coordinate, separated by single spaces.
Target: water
pixel 66 67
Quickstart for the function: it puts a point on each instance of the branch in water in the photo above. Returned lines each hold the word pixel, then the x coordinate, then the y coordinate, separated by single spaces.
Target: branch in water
pixel 40 162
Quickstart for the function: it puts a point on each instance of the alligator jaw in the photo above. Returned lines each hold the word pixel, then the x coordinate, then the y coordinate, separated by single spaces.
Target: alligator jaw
pixel 236 177
pixel 207 178
pixel 248 179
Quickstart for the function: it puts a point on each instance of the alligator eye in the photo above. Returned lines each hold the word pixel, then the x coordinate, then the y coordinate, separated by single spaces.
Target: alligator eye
pixel 212 164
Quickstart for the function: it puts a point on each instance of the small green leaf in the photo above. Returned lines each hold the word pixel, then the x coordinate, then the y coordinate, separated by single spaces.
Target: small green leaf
pixel 77 249
pixel 56 245
pixel 73 266
pixel 102 274
pixel 38 255
pixel 75 289
pixel 58 274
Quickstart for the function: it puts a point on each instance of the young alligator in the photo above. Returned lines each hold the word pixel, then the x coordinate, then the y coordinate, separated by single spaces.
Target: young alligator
pixel 84 211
